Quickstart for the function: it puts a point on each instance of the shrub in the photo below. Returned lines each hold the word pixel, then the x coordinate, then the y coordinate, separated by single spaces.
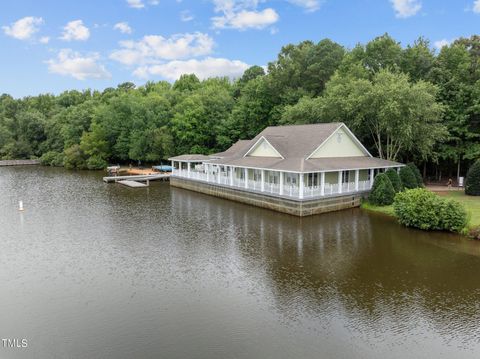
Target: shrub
pixel 474 233
pixel 382 192
pixel 423 209
pixel 408 178
pixel 52 158
pixel 472 183
pixel 416 173
pixel 74 158
pixel 96 163
pixel 453 216
pixel 395 179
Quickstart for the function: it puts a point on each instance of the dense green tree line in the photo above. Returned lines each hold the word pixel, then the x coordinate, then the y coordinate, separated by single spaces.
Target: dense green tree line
pixel 405 103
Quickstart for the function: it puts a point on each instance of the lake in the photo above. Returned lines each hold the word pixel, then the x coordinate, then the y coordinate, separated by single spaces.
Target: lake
pixel 94 270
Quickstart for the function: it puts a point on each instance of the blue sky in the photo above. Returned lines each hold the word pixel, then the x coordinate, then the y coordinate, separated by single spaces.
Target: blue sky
pixel 51 46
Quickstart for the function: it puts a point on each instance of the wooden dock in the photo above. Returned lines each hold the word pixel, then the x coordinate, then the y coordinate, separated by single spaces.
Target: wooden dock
pixel 19 162
pixel 132 184
pixel 140 178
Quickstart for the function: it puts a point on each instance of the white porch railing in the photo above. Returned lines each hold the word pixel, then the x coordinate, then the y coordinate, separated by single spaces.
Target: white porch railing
pixel 289 190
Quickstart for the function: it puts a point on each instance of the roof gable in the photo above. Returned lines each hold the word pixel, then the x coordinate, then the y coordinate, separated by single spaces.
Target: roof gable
pixel 263 148
pixel 341 143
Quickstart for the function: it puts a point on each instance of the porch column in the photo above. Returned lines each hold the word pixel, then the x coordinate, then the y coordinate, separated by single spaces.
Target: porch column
pixel 218 173
pixel 357 176
pixel 262 183
pixel 173 166
pixel 398 170
pixel 339 181
pixel 372 174
pixel 245 174
pixel 231 175
pixel 322 183
pixel 281 183
pixel 301 185
pixel 188 169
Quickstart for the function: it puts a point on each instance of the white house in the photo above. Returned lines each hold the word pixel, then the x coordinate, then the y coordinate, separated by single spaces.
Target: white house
pixel 300 162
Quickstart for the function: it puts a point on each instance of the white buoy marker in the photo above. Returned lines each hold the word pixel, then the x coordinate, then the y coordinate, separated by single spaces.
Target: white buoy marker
pixel 20 206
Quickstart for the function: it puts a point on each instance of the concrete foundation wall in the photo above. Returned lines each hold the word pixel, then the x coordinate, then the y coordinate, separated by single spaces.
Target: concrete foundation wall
pixel 290 206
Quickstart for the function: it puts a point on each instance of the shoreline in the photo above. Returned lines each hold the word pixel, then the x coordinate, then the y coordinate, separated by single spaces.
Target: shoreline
pixel 470 203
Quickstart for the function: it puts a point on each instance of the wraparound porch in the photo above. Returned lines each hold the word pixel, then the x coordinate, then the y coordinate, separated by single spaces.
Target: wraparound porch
pixel 279 183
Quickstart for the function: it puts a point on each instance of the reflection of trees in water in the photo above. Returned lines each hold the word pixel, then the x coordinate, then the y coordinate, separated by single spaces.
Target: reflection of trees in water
pixel 378 274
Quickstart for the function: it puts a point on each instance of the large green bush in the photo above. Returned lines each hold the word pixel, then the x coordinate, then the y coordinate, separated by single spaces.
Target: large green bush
pixel 408 178
pixel 96 163
pixel 382 192
pixel 74 158
pixel 423 209
pixel 395 179
pixel 472 183
pixel 416 173
pixel 52 158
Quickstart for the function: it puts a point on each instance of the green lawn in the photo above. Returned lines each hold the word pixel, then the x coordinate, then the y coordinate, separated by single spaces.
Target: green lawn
pixel 471 203
pixel 383 209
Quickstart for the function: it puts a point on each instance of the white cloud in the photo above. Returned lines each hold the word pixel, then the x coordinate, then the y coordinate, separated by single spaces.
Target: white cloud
pixel 441 43
pixel 24 28
pixel 476 6
pixel 71 63
pixel 205 68
pixel 123 27
pixel 75 30
pixel 406 8
pixel 153 48
pixel 44 39
pixel 308 5
pixel 186 16
pixel 136 4
pixel 242 14
pixel 154 2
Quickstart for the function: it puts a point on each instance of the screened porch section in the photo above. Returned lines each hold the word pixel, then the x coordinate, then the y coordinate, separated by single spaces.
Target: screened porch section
pixel 279 183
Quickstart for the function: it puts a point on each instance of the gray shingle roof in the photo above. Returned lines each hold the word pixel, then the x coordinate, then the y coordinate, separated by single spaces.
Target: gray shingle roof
pixel 295 143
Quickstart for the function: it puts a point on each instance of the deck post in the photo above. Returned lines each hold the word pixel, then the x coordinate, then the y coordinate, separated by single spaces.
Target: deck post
pixel 339 181
pixel 357 177
pixel 281 183
pixel 322 183
pixel 188 169
pixel 262 181
pixel 231 175
pixel 245 174
pixel 207 167
pixel 372 174
pixel 301 186
pixel 218 173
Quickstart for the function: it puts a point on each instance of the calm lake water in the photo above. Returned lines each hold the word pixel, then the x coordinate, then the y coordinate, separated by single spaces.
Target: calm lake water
pixel 94 270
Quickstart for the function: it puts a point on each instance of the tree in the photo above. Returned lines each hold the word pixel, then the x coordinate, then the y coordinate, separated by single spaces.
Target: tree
pixel 418 60
pixel 304 69
pixel 397 116
pixel 417 173
pixel 408 178
pixel 394 179
pixel 382 193
pixel 472 183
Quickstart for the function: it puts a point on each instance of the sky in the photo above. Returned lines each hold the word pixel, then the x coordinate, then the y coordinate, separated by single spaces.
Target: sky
pixel 49 46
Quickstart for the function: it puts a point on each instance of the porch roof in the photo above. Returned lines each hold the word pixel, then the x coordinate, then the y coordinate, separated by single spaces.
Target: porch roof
pixel 190 158
pixel 310 165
